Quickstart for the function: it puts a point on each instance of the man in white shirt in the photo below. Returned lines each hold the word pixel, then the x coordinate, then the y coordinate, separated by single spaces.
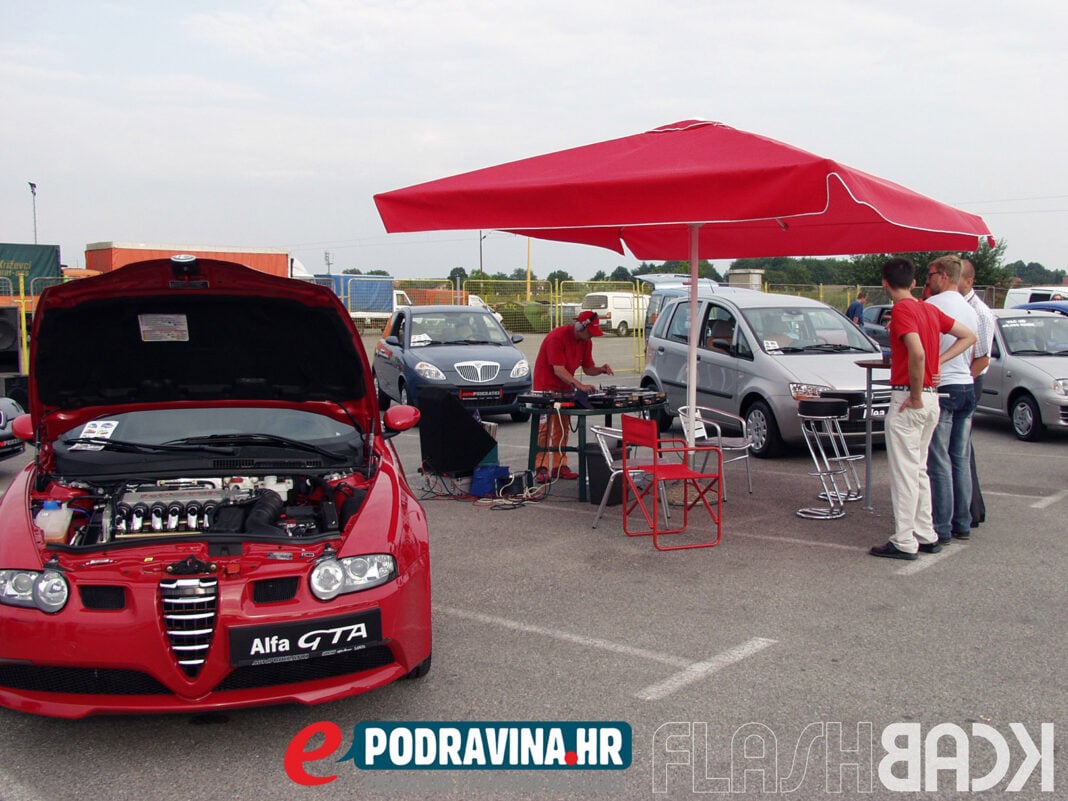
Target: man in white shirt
pixel 980 363
pixel 949 454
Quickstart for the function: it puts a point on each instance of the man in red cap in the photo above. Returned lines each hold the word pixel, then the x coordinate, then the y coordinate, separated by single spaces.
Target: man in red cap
pixel 564 350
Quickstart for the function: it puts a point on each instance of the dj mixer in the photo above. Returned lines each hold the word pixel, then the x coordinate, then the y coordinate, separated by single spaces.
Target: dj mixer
pixel 610 397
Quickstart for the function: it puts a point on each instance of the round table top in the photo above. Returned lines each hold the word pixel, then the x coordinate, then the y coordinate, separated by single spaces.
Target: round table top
pixel 873 364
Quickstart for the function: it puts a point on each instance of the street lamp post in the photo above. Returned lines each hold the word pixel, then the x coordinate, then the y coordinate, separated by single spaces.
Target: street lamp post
pixel 33 191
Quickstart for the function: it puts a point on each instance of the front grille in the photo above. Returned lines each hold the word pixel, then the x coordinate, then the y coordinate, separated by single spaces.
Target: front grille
pixel 323 667
pixel 189 606
pixel 79 681
pixel 271 591
pixel 478 372
pixel 102 597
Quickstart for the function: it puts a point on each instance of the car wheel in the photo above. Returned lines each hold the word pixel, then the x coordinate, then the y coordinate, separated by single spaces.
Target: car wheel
pixel 622 330
pixel 1026 419
pixel 764 431
pixel 421 669
pixel 383 399
pixel 520 417
pixel 404 395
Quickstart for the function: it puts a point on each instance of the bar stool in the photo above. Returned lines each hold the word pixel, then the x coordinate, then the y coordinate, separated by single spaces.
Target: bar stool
pixel 835 466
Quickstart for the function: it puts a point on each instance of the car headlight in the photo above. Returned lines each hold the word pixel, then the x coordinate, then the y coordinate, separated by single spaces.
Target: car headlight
pixel 332 577
pixel 47 591
pixel 429 372
pixel 1060 386
pixel 806 391
pixel 521 369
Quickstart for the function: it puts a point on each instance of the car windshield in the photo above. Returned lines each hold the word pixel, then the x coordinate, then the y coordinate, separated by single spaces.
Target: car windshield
pixel 1035 336
pixel 457 328
pixel 805 330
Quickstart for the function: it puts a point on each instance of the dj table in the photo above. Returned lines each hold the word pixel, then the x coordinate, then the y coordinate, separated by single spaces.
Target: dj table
pixel 607 402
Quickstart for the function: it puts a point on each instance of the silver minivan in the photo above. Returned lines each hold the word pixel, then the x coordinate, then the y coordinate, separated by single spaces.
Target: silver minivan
pixel 760 354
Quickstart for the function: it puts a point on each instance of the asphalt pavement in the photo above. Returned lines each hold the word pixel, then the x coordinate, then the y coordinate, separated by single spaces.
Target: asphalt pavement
pixel 778 660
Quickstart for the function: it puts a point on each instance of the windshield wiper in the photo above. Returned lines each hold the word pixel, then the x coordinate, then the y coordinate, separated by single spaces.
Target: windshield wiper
pixel 1030 352
pixel 827 346
pixel 260 439
pixel 122 446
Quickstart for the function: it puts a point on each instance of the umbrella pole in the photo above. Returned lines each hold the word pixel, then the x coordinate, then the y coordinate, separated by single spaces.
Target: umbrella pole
pixel 691 370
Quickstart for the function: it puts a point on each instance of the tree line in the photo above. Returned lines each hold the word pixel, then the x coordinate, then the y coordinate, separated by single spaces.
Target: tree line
pixel 990 270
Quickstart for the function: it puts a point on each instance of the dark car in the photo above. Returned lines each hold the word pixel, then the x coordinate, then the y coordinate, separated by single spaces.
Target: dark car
pixel 10 445
pixel 876 323
pixel 216 516
pixel 1058 306
pixel 457 348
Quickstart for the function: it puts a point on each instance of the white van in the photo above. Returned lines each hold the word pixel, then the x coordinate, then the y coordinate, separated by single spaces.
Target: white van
pixel 619 312
pixel 1033 294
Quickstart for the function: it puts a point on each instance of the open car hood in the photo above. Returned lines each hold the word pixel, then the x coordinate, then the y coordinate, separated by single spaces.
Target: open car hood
pixel 170 331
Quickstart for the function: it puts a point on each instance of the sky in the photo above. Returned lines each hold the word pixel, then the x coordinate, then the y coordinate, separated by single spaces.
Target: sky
pixel 272 123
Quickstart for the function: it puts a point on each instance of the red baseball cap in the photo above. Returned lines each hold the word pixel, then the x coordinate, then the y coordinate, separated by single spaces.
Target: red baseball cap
pixel 591 322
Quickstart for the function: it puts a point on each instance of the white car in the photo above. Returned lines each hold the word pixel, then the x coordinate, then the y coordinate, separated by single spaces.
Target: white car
pixel 1028 376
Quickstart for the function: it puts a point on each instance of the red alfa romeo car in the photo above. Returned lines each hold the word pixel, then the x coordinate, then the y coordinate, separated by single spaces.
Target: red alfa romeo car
pixel 216 516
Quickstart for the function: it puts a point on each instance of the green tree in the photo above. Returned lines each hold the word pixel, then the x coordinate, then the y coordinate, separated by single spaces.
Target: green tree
pixel 377 272
pixel 600 275
pixel 621 273
pixel 559 275
pixel 458 274
pixel 352 271
pixel 520 274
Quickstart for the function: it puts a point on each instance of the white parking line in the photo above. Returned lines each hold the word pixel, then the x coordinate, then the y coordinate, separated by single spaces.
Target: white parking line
pixel 700 670
pixel 926 560
pixel 1052 499
pixel 577 639
pixel 691 671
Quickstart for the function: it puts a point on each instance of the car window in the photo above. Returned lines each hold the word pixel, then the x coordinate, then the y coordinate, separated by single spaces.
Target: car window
pixel 807 329
pixel 679 327
pixel 718 326
pixel 1035 335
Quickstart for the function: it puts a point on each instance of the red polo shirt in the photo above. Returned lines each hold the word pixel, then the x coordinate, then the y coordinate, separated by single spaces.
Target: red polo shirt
pixel 560 347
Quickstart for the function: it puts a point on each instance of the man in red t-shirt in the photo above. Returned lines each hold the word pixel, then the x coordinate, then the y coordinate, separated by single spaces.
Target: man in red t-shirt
pixel 915 330
pixel 564 350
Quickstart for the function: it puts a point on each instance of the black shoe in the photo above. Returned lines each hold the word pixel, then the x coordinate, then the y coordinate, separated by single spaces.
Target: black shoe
pixel 890 551
pixel 930 547
pixel 962 536
pixel 946 541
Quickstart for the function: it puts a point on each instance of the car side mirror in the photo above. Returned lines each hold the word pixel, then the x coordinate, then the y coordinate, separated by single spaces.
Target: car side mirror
pixel 517 338
pixel 398 419
pixel 22 427
pixel 392 340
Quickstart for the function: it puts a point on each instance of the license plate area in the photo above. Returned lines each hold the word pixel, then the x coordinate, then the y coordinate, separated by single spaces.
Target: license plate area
pixel 304 639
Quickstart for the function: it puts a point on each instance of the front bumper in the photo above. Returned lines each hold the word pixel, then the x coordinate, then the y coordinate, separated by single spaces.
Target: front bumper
pixel 85 661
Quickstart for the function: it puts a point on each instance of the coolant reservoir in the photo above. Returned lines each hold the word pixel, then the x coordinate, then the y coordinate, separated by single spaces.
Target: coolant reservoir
pixel 54 521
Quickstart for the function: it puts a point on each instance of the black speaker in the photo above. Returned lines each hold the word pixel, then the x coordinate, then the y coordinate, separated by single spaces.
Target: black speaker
pixel 10 339
pixel 451 440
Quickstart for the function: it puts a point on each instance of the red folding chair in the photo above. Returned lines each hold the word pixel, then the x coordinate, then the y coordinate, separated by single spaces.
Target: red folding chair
pixel 661 460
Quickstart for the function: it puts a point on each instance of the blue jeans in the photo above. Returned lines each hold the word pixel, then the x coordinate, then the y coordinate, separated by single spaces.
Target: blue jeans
pixel 949 462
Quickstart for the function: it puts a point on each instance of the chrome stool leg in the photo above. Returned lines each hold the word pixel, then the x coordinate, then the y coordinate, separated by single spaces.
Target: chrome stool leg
pixel 827 447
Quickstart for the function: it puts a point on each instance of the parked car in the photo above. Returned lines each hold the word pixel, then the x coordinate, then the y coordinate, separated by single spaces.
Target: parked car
pixel 876 323
pixel 10 445
pixel 1034 294
pixel 460 348
pixel 216 517
pixel 621 313
pixel 677 285
pixel 758 356
pixel 1028 376
pixel 1059 306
